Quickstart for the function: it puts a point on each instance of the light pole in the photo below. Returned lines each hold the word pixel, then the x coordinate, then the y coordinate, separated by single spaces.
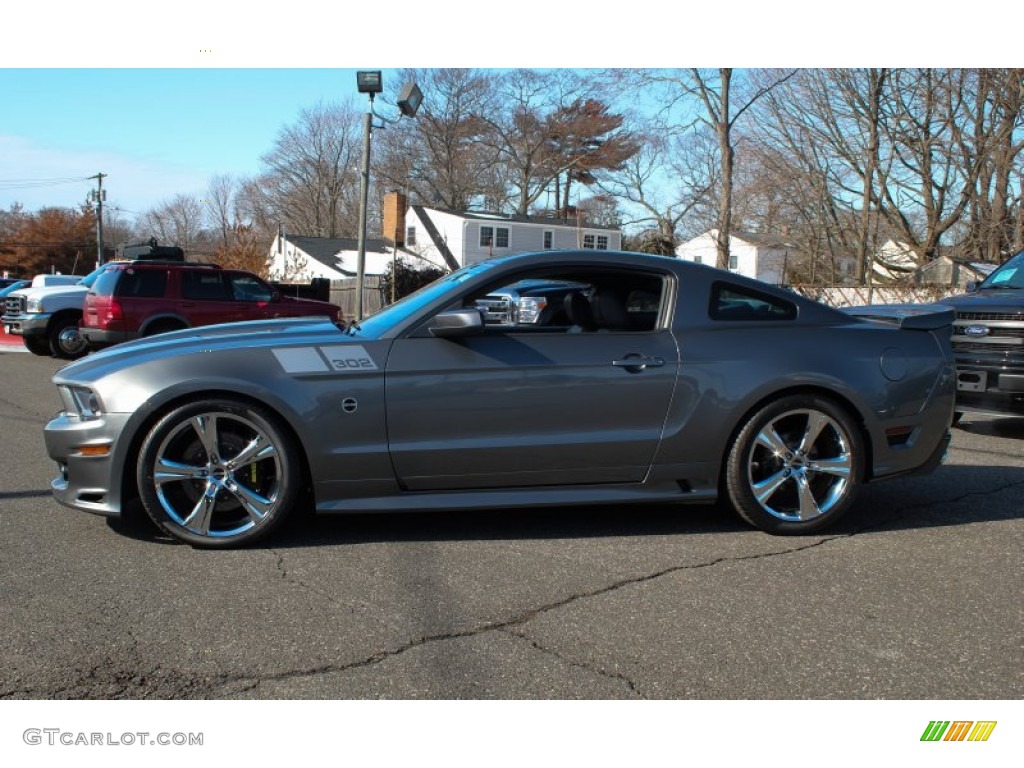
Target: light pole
pixel 371 83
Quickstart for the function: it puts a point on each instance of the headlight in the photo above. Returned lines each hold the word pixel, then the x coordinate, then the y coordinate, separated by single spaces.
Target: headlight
pixel 34 304
pixel 81 401
pixel 530 307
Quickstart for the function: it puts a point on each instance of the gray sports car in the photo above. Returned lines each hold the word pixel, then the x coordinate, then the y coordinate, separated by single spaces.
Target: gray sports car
pixel 652 380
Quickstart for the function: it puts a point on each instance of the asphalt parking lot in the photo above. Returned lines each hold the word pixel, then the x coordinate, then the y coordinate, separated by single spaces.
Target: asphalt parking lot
pixel 916 595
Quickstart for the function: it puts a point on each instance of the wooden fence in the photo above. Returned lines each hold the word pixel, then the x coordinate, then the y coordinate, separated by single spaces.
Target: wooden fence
pixel 343 293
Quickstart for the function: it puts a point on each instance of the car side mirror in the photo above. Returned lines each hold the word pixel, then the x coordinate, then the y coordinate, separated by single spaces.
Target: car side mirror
pixel 456 323
pixel 972 286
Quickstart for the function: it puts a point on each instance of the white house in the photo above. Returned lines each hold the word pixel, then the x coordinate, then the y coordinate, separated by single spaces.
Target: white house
pixel 299 259
pixel 466 237
pixel 895 261
pixel 763 257
pixel 432 237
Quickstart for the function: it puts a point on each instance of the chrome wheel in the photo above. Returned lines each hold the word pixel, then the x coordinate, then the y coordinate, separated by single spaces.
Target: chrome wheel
pixel 66 342
pixel 217 473
pixel 800 466
pixel 795 466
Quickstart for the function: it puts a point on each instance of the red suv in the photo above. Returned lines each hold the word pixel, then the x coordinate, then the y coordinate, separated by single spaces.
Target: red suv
pixel 143 298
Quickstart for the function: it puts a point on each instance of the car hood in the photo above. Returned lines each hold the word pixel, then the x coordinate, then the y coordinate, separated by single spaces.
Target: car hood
pixel 1007 301
pixel 255 334
pixel 49 290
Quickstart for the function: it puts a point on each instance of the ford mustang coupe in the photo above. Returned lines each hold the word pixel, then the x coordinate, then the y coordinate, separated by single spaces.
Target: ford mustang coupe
pixel 651 380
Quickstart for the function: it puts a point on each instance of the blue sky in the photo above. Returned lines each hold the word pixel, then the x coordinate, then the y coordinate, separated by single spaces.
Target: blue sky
pixel 202 89
pixel 155 132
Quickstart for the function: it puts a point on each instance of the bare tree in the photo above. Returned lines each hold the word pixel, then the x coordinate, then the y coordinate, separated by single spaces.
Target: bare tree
pixel 221 207
pixel 439 158
pixel 667 182
pixel 310 180
pixel 178 221
pixel 710 98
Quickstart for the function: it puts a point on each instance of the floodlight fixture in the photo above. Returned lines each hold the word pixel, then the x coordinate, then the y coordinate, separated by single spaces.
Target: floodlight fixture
pixel 369 81
pixel 410 99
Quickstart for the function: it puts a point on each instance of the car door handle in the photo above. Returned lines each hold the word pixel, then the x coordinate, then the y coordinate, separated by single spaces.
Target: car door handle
pixel 635 363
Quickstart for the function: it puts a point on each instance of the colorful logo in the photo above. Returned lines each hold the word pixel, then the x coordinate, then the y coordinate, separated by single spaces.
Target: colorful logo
pixel 958 730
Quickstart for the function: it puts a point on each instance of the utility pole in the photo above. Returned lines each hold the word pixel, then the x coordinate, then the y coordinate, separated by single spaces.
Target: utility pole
pixel 98 195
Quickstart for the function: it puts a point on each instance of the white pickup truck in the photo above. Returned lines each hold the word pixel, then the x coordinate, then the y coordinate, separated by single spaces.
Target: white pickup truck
pixel 46 314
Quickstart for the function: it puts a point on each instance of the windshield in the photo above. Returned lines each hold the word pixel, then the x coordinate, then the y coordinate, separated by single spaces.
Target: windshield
pixel 1009 275
pixel 394 314
pixel 89 279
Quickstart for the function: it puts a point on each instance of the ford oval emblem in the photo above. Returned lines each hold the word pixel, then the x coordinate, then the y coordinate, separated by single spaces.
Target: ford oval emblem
pixel 976 330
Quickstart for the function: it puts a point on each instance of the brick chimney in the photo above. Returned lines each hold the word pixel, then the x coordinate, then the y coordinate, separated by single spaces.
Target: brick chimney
pixel 394 217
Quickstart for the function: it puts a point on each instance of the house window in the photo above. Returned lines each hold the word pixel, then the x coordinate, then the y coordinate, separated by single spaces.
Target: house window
pixel 697 259
pixel 494 236
pixel 549 239
pixel 602 242
pixel 410 235
pixel 734 262
pixel 588 241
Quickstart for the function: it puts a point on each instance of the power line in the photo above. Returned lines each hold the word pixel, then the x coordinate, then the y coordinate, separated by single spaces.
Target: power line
pixel 6 184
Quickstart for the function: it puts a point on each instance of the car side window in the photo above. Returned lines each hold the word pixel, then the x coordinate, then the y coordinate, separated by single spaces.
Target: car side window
pixel 579 300
pixel 202 285
pixel 141 283
pixel 248 288
pixel 739 303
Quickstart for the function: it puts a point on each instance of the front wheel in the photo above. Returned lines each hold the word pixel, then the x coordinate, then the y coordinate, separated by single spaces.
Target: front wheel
pixel 218 473
pixel 65 340
pixel 795 466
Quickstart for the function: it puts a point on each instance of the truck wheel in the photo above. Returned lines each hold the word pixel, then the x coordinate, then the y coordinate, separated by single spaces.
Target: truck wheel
pixel 37 346
pixel 65 340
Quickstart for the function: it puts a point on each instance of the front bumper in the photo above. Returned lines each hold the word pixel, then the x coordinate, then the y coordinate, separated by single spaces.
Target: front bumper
pixel 990 388
pixel 27 325
pixel 88 482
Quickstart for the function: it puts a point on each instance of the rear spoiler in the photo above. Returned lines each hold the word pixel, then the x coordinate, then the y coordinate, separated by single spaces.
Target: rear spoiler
pixel 918 317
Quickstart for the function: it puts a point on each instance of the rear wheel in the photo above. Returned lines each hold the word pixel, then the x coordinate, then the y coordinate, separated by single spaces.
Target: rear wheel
pixel 163 327
pixel 218 473
pixel 37 346
pixel 796 465
pixel 65 340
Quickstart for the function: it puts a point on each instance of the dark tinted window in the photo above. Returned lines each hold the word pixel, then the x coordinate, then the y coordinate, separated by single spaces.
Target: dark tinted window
pixel 140 283
pixel 204 285
pixel 732 302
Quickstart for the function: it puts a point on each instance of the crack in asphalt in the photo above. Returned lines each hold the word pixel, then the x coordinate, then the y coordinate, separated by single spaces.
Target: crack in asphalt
pixel 160 683
pixel 598 670
pixel 517 620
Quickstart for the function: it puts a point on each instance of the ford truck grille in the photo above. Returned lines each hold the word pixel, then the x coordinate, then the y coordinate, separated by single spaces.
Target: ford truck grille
pixel 15 305
pixel 499 309
pixel 988 332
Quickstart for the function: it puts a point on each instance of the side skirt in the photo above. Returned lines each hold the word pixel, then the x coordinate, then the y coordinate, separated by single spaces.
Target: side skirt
pixel 512 498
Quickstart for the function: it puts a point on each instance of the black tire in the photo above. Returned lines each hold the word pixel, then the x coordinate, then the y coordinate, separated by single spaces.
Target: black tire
pixel 163 327
pixel 796 465
pixel 37 345
pixel 207 497
pixel 65 340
